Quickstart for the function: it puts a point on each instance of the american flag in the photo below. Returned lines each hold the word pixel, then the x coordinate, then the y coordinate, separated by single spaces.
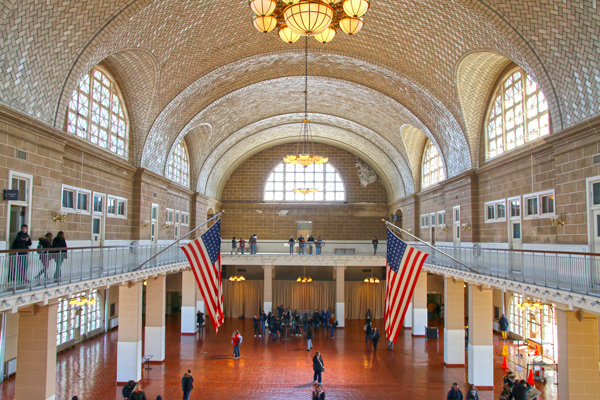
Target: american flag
pixel 204 255
pixel 404 265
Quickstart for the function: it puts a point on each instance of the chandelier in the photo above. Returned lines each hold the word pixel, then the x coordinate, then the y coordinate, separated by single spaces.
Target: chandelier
pixel 305 190
pixel 82 301
pixel 304 278
pixel 318 18
pixel 237 278
pixel 529 304
pixel 371 279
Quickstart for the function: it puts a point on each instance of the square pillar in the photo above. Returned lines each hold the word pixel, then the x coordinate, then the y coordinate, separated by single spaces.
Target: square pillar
pixel 408 317
pixel 188 302
pixel 200 306
pixel 419 312
pixel 578 371
pixel 269 274
pixel 36 353
pixel 129 346
pixel 156 299
pixel 340 301
pixel 481 337
pixel 454 322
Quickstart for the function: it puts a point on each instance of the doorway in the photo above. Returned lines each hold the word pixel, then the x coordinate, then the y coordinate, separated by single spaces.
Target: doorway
pixel 456 225
pixel 515 240
pixel 18 209
pixel 593 203
pixel 154 224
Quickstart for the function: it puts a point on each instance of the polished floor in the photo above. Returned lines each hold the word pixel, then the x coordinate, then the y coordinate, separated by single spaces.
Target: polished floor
pixel 276 370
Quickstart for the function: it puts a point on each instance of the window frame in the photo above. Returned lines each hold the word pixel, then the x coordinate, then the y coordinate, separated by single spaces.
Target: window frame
pixel 76 192
pixel 118 200
pixel 538 198
pixel 169 215
pixel 424 221
pixel 176 162
pixel 509 202
pixel 104 203
pixel 442 214
pixel 185 218
pixel 428 159
pixel 495 207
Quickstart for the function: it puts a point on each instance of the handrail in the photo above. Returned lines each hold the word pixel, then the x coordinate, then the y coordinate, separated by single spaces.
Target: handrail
pixel 57 249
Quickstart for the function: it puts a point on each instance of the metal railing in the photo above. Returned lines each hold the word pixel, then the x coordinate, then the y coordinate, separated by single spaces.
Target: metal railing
pixel 24 270
pixel 575 272
pixel 327 248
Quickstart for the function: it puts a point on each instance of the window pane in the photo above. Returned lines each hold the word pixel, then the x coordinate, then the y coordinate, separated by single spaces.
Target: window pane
pixel 596 193
pixel 280 184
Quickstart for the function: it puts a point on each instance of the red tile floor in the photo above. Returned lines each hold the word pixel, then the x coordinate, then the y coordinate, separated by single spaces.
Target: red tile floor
pixel 276 370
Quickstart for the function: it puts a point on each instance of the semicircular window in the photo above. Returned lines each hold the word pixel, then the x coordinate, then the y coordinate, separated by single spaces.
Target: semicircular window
pixel 284 178
pixel 178 164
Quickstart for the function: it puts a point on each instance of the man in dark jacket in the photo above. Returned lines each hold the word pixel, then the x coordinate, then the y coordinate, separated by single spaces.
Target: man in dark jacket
pixel 18 265
pixel 376 337
pixel 256 323
pixel 503 326
pixel 520 390
pixel 318 367
pixel 263 319
pixel 455 393
pixel 187 384
pixel 200 321
pixel 44 243
pixel 127 389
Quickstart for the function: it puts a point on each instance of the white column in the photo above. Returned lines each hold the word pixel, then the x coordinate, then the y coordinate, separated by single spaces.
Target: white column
pixel 419 314
pixel 408 317
pixel 129 347
pixel 188 303
pixel 269 272
pixel 156 293
pixel 340 301
pixel 200 306
pixel 454 322
pixel 481 339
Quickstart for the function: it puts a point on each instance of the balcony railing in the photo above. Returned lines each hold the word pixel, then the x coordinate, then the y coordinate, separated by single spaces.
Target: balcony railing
pixel 23 270
pixel 327 248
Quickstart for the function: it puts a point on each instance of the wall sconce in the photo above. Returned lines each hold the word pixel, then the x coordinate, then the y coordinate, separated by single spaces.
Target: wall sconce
pixel 409 231
pixel 60 217
pixel 466 227
pixel 145 224
pixel 557 222
pixel 167 225
pixel 444 228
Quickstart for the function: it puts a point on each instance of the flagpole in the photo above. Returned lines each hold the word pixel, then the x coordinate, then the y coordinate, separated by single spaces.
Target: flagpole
pixel 177 241
pixel 429 245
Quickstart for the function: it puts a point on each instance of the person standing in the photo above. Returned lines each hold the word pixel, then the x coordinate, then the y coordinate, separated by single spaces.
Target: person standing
pixel 253 240
pixel 376 337
pixel 137 393
pixel 318 367
pixel 309 338
pixel 256 323
pixel 318 393
pixel 291 243
pixel 319 245
pixel 333 323
pixel 455 393
pixel 242 245
pixel 200 321
pixel 472 394
pixel 61 255
pixel 44 243
pixel 374 242
pixel 368 330
pixel 390 345
pixel 233 245
pixel 519 391
pixel 503 326
pixel 310 241
pixel 301 243
pixel 19 265
pixel 236 340
pixel 187 384
pixel 368 316
pixel 263 319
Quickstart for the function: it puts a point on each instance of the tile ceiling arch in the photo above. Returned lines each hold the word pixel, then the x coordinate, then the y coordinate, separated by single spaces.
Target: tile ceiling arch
pixel 414 142
pixel 231 157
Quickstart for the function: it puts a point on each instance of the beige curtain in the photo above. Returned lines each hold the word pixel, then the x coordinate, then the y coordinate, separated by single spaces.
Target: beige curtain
pixel 359 296
pixel 304 296
pixel 243 298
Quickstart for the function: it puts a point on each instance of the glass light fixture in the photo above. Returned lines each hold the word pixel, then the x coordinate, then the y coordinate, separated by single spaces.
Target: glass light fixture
pixel 265 24
pixel 356 8
pixel 371 279
pixel 303 278
pixel 350 25
pixel 237 278
pixel 287 35
pixel 305 190
pixel 263 7
pixel 308 17
pixel 332 1
pixel 326 36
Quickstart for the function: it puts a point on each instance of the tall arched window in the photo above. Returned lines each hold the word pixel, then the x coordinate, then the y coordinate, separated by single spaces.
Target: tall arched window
pixel 96 112
pixel 178 164
pixel 286 177
pixel 518 114
pixel 432 170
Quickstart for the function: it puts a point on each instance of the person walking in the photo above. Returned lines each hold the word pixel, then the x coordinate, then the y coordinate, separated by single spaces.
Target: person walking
pixel 18 270
pixel 368 330
pixel 318 393
pixel 256 323
pixel 310 241
pixel 200 321
pixel 368 316
pixel 263 319
pixel 44 243
pixel 187 384
pixel 333 323
pixel 376 337
pixel 233 245
pixel 137 393
pixel 454 393
pixel 318 367
pixel 390 345
pixel 60 255
pixel 242 245
pixel 309 338
pixel 319 245
pixel 374 242
pixel 472 394
pixel 503 326
pixel 127 389
pixel 301 243
pixel 236 340
pixel 291 243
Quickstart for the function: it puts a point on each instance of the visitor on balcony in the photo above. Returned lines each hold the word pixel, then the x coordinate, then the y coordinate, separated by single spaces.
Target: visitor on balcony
pixel 374 242
pixel 18 265
pixel 233 246
pixel 253 241
pixel 301 243
pixel 60 255
pixel 291 243
pixel 242 245
pixel 319 245
pixel 44 243
pixel 310 241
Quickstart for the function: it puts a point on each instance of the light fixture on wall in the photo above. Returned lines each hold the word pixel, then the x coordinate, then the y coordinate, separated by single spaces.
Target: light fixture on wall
pixel 60 217
pixel 237 278
pixel 557 222
pixel 444 228
pixel 145 223
pixel 304 278
pixel 167 225
pixel 318 18
pixel 466 227
pixel 371 279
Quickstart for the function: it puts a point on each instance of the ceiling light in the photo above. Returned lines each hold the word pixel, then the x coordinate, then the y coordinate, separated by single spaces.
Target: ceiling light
pixel 305 190
pixel 287 35
pixel 355 8
pixel 263 7
pixel 308 17
pixel 351 25
pixel 265 24
pixel 327 35
pixel 237 278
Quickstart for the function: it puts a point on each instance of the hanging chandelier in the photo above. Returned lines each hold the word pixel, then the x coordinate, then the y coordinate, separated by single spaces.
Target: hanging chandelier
pixel 82 300
pixel 371 279
pixel 237 278
pixel 305 190
pixel 303 278
pixel 530 304
pixel 318 18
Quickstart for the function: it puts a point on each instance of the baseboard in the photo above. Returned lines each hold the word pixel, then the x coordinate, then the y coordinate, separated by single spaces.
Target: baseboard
pixel 156 362
pixel 188 333
pixel 454 365
pixel 419 336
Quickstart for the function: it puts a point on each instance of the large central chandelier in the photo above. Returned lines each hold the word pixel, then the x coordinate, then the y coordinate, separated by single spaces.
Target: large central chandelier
pixel 318 18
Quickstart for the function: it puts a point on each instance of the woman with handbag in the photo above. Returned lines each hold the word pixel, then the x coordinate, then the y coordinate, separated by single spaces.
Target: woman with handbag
pixel 318 367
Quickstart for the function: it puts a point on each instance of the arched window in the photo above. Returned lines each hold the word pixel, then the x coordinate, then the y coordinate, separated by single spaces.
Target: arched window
pixel 96 112
pixel 178 164
pixel 286 177
pixel 518 114
pixel 432 169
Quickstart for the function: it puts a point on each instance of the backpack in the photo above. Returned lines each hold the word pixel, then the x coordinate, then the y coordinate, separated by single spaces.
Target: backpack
pixel 40 252
pixel 335 324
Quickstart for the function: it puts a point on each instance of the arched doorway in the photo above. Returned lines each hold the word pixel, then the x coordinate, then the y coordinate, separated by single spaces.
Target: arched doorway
pixel 397 218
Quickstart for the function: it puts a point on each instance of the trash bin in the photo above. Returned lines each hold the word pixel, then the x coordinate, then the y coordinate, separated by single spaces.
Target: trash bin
pixel 431 332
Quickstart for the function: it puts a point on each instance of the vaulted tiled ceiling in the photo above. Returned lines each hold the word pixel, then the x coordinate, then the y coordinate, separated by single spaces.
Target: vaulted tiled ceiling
pixel 199 70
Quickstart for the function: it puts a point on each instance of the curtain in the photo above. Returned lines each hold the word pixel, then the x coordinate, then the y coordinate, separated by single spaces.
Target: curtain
pixel 304 296
pixel 243 298
pixel 359 296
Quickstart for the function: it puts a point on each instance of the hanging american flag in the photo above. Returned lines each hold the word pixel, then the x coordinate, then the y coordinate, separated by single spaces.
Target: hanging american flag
pixel 204 255
pixel 403 267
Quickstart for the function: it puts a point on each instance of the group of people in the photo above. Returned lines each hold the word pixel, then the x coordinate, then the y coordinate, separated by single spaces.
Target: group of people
pixel 295 323
pixel 49 249
pixel 456 394
pixel 513 388
pixel 253 241
pixel 303 244
pixel 372 333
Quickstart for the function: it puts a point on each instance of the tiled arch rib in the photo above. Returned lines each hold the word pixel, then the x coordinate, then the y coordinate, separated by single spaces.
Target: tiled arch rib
pixel 225 159
pixel 414 142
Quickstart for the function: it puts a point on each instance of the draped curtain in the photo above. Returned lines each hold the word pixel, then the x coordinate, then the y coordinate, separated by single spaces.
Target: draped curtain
pixel 359 296
pixel 243 298
pixel 304 296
